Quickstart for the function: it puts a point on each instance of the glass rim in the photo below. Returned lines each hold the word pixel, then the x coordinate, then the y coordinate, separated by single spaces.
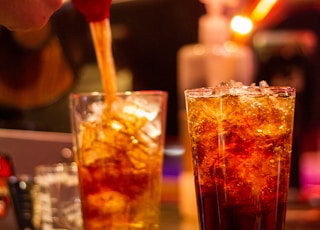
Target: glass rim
pixel 125 93
pixel 249 90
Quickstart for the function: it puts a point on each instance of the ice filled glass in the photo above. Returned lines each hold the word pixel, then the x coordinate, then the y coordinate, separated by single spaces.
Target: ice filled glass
pixel 55 196
pixel 241 141
pixel 119 151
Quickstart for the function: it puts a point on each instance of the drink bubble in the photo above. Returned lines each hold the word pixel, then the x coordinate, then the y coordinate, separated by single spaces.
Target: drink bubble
pixel 241 139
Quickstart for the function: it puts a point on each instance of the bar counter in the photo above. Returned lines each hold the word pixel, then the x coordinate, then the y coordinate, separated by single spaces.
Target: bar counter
pixel 300 216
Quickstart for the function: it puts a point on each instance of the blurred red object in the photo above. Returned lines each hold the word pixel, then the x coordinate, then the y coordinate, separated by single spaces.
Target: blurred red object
pixel 6 170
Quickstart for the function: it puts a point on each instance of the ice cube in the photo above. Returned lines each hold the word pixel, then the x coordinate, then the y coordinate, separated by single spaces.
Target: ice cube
pixel 95 111
pixel 138 158
pixel 107 202
pixel 71 215
pixel 142 150
pixel 238 88
pixel 263 84
pixel 153 129
pixel 146 107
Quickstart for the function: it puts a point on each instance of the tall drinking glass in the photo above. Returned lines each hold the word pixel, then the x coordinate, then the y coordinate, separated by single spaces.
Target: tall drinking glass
pixel 241 140
pixel 119 150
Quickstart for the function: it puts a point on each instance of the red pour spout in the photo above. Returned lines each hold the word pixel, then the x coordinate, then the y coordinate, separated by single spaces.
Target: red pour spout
pixel 93 10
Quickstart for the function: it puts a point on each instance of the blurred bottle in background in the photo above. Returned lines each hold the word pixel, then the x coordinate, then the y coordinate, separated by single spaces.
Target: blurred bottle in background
pixel 214 59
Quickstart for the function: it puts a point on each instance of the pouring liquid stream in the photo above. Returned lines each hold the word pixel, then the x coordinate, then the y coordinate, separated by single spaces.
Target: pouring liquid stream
pixel 101 35
pixel 97 14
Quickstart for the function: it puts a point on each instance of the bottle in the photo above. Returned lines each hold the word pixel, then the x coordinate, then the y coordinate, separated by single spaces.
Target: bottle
pixel 213 60
pixel 20 189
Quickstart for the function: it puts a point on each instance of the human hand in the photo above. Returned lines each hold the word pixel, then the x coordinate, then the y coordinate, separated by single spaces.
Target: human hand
pixel 26 15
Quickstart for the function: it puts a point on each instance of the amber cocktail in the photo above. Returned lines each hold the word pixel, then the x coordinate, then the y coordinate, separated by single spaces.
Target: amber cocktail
pixel 241 139
pixel 119 150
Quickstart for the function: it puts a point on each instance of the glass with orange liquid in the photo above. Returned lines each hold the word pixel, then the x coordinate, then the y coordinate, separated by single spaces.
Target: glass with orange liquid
pixel 119 149
pixel 241 139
